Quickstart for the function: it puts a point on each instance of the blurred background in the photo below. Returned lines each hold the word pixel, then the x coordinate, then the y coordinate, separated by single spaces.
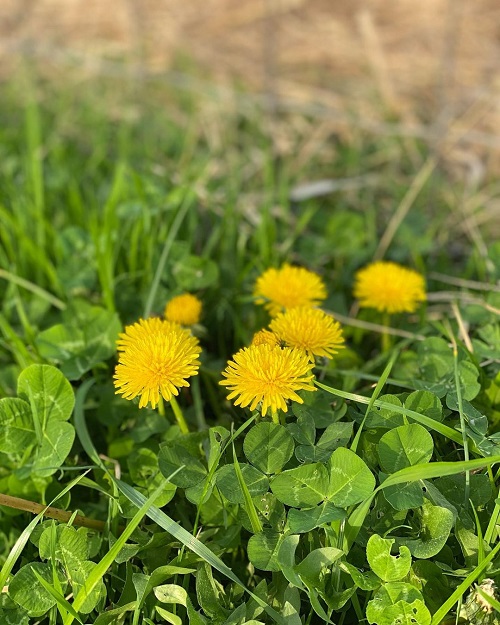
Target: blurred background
pixel 427 69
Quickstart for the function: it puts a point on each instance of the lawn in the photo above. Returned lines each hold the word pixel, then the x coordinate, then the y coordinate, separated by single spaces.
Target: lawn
pixel 346 470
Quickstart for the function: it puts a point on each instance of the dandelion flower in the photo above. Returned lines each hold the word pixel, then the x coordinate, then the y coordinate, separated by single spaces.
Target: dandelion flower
pixel 289 287
pixel 155 358
pixel 264 337
pixel 268 375
pixel 309 329
pixel 184 309
pixel 389 287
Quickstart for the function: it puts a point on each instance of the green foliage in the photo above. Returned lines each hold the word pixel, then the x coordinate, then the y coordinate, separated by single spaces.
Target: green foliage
pixel 373 499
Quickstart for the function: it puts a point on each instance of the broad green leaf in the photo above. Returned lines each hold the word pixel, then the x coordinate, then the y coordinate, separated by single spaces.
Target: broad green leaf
pixel 172 456
pixel 143 466
pixel 351 481
pixel 405 446
pixel 302 487
pixel 366 580
pixel 87 338
pixel 263 550
pixel 57 441
pixel 271 512
pixel 405 496
pixel 426 403
pixel 305 520
pixel 210 593
pixel 194 272
pixel 383 416
pixel 11 613
pixel 159 575
pixel 452 488
pixel 431 581
pixel 336 435
pixel 17 431
pixel 388 567
pixel 79 575
pixel 227 482
pixel 318 406
pixel 171 593
pixel 286 559
pixel 303 430
pixel 315 564
pixel 110 617
pixel 47 391
pixel 435 527
pixel 71 545
pixel 268 446
pixel 437 369
pixel 26 590
pixel 170 617
pixel 398 603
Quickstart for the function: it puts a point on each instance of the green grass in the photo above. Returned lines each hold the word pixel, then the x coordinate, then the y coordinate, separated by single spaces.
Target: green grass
pixel 113 198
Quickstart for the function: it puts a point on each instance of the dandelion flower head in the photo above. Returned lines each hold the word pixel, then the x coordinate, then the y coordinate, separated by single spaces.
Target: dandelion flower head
pixel 155 357
pixel 265 337
pixel 389 287
pixel 184 309
pixel 289 287
pixel 268 375
pixel 309 329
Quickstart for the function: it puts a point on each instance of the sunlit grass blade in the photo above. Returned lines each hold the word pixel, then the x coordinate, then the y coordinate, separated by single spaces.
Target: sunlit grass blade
pixel 192 543
pixel 33 288
pixel 172 233
pixel 474 575
pixel 81 425
pixel 378 389
pixel 103 565
pixel 412 474
pixel 432 424
pixel 63 604
pixel 249 504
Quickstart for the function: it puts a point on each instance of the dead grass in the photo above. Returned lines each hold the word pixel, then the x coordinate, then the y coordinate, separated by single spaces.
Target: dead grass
pixel 425 69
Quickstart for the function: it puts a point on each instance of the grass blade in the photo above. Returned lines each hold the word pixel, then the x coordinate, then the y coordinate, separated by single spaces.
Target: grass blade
pixel 99 571
pixel 432 424
pixel 18 546
pixel 192 543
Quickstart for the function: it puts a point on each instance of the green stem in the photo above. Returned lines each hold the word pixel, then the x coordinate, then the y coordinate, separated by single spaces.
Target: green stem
pixel 386 337
pixel 161 407
pixel 179 417
pixel 275 417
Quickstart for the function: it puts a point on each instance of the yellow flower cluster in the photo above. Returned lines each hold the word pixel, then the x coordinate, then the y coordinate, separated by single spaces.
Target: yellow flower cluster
pixel 157 356
pixel 280 360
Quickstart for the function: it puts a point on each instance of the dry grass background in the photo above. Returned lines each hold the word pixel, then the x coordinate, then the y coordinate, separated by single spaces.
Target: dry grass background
pixel 428 69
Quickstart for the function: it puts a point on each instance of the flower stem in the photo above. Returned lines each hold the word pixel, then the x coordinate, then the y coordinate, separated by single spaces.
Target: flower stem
pixel 386 337
pixel 179 417
pixel 275 417
pixel 161 407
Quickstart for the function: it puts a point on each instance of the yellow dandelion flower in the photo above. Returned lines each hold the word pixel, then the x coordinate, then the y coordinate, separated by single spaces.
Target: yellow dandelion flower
pixel 389 287
pixel 264 337
pixel 289 287
pixel 268 375
pixel 309 329
pixel 184 309
pixel 155 358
